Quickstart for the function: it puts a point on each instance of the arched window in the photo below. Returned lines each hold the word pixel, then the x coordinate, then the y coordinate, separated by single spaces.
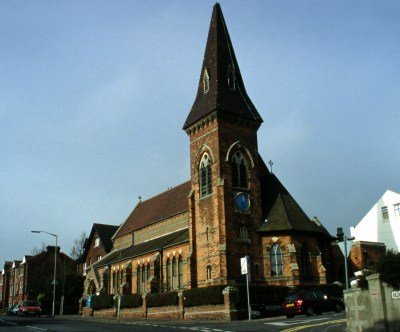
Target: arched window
pixel 239 171
pixel 148 272
pixel 174 273
pixel 243 233
pixel 207 233
pixel 206 81
pixel 256 271
pixel 205 176
pixel 208 273
pixel 168 267
pixel 180 272
pixel 305 261
pixel 138 280
pixel 276 260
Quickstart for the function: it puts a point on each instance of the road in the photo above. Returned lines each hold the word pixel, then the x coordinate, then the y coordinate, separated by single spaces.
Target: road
pixel 328 322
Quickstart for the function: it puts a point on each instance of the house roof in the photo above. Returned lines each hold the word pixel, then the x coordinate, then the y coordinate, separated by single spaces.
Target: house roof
pixel 162 206
pixel 280 211
pixel 220 63
pixel 157 244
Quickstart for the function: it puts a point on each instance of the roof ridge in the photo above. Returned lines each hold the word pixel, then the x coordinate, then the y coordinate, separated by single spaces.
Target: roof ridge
pixel 165 191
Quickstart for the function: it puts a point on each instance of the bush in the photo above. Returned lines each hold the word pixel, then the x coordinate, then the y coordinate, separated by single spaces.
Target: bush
pixel 389 268
pixel 203 296
pixel 102 301
pixel 162 299
pixel 130 301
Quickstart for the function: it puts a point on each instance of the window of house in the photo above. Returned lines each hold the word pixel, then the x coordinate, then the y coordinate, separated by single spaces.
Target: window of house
pixel 239 171
pixel 148 272
pixel 174 273
pixel 97 242
pixel 206 81
pixel 180 272
pixel 385 212
pixel 396 208
pixel 276 260
pixel 138 280
pixel 208 273
pixel 205 176
pixel 243 233
pixel 98 257
pixel 84 268
pixel 256 272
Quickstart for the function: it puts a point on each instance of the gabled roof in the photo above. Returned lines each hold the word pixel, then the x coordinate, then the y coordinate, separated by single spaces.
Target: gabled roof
pixel 220 63
pixel 157 208
pixel 157 244
pixel 281 212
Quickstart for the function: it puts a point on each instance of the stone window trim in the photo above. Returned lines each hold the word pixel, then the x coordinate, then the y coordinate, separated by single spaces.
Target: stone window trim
pixel 238 146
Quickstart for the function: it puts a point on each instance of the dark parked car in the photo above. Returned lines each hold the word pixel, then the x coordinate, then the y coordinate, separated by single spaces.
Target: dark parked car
pixel 30 308
pixel 13 310
pixel 308 302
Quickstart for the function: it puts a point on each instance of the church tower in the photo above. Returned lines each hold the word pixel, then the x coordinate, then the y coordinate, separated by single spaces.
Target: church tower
pixel 225 200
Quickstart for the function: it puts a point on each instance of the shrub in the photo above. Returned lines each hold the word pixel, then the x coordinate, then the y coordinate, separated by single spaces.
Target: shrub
pixel 162 299
pixel 389 268
pixel 102 301
pixel 130 301
pixel 203 296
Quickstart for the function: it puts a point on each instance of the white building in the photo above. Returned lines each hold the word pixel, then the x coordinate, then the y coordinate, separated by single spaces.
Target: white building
pixel 382 222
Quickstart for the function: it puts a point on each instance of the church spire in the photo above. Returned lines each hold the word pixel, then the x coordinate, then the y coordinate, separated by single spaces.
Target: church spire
pixel 221 87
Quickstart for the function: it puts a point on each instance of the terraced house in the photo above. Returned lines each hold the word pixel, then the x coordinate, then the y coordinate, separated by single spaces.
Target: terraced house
pixel 194 234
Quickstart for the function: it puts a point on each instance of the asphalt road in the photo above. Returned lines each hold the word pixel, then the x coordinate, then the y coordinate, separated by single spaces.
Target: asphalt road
pixel 328 322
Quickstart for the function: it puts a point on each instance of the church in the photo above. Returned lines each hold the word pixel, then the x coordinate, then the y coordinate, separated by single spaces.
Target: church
pixel 194 234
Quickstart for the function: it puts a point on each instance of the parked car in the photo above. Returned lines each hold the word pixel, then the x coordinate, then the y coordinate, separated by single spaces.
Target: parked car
pixel 30 308
pixel 308 302
pixel 13 310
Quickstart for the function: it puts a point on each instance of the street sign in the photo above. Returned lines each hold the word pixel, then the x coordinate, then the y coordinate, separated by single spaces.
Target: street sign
pixel 396 295
pixel 244 264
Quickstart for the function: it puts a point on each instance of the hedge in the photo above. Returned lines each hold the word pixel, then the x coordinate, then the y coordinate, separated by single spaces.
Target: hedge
pixel 162 299
pixel 130 301
pixel 203 296
pixel 102 301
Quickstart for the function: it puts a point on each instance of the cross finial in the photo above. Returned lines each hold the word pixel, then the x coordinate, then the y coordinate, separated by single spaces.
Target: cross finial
pixel 270 164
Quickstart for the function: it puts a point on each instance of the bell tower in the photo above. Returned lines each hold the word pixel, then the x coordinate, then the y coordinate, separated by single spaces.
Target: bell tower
pixel 225 200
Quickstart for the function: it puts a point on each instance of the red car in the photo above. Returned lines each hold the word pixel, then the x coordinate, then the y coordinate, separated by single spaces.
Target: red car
pixel 30 308
pixel 310 302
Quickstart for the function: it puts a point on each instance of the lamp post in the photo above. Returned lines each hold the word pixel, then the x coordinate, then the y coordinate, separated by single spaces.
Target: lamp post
pixel 55 269
pixel 343 238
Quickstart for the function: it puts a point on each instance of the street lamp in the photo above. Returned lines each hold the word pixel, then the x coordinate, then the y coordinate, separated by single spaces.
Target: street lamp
pixel 55 268
pixel 343 238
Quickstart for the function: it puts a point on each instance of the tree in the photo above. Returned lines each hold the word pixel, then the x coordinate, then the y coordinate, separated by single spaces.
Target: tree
pixel 78 247
pixel 389 268
pixel 35 251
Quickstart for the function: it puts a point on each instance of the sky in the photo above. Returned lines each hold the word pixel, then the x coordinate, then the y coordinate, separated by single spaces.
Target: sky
pixel 94 94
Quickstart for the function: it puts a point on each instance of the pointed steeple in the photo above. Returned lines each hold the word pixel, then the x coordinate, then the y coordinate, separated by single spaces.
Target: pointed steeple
pixel 221 86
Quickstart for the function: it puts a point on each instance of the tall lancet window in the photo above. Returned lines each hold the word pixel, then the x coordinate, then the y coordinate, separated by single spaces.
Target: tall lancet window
pixel 206 81
pixel 239 171
pixel 276 260
pixel 205 176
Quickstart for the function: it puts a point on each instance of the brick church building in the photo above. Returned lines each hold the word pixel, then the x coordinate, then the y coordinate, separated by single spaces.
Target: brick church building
pixel 193 235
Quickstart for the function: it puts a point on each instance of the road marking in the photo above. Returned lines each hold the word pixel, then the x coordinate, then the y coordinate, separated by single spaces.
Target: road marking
pixel 296 322
pixel 36 328
pixel 302 327
pixel 9 323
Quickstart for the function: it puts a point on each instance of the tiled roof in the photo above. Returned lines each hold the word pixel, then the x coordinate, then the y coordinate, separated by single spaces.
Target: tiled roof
pixel 220 61
pixel 162 206
pixel 281 212
pixel 163 242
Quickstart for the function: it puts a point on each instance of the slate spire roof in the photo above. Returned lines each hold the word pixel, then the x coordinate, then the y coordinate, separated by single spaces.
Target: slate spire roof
pixel 226 92
pixel 280 211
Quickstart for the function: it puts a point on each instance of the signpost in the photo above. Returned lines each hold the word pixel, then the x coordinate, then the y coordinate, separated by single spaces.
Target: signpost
pixel 245 269
pixel 396 295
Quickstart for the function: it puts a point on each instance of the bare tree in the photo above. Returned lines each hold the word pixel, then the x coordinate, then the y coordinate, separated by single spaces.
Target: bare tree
pixel 35 251
pixel 78 247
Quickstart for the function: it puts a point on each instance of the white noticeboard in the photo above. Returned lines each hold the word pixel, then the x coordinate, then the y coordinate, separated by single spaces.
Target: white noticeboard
pixel 396 295
pixel 244 264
